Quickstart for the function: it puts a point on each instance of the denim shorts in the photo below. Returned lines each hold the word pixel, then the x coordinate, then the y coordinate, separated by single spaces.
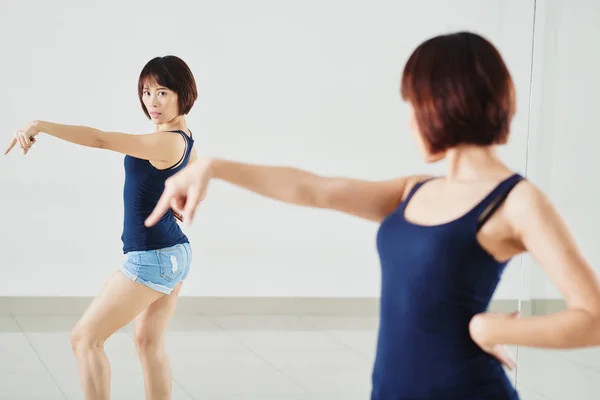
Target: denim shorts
pixel 160 269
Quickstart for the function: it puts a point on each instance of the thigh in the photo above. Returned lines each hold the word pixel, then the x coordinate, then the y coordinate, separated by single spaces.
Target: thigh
pixel 119 301
pixel 151 324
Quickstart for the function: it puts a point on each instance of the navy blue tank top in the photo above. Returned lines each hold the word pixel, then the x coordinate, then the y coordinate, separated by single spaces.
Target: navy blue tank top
pixel 144 184
pixel 434 280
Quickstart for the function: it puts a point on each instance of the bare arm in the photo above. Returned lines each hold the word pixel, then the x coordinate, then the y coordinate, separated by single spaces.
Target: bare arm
pixel 160 146
pixel 541 231
pixel 372 200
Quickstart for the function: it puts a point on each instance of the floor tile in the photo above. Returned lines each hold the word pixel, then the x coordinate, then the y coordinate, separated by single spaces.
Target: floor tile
pixel 251 357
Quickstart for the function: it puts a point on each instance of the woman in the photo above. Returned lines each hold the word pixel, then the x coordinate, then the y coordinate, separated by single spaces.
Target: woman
pixel 443 241
pixel 158 257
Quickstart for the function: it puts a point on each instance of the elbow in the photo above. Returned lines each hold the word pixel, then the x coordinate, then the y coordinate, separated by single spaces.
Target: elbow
pixel 322 192
pixel 594 327
pixel 588 333
pixel 98 140
pixel 312 193
pixel 305 195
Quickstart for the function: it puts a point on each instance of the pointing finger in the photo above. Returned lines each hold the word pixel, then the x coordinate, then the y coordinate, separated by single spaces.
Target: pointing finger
pixel 12 144
pixel 163 204
pixel 193 199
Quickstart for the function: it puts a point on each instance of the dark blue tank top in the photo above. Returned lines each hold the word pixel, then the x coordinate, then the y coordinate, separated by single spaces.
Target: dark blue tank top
pixel 144 184
pixel 434 280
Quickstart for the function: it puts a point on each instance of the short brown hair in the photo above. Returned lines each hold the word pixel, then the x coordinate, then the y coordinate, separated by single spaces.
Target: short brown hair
pixel 461 91
pixel 174 74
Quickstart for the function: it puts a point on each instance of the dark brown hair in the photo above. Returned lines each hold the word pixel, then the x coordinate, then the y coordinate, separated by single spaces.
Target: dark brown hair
pixel 461 91
pixel 174 74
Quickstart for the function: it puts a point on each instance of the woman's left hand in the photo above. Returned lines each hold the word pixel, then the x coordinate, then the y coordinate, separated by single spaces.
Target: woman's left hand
pixel 480 328
pixel 24 137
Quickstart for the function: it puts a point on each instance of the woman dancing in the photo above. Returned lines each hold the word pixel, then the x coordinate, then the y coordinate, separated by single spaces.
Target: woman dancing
pixel 158 257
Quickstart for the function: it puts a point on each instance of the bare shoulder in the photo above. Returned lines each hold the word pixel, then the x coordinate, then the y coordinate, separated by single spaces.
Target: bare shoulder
pixel 527 203
pixel 536 223
pixel 410 182
pixel 173 139
pixel 372 200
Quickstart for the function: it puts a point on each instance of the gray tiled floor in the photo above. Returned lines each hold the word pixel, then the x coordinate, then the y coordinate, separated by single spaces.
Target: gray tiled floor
pixel 251 358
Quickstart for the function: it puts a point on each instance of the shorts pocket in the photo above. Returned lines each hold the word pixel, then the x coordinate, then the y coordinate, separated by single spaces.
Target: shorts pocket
pixel 172 262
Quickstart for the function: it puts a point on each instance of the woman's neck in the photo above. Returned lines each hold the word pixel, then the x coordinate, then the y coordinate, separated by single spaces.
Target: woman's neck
pixel 474 163
pixel 177 123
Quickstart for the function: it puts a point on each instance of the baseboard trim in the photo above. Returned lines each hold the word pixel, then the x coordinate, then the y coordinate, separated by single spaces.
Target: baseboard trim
pixel 189 305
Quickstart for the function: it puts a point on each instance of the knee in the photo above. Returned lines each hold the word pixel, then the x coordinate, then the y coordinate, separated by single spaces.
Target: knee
pixel 147 341
pixel 83 338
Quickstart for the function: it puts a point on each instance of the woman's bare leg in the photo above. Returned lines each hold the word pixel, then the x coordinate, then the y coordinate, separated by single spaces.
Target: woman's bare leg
pixel 118 303
pixel 150 328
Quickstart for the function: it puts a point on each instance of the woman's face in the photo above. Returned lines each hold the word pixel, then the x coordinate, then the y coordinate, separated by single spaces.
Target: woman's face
pixel 160 102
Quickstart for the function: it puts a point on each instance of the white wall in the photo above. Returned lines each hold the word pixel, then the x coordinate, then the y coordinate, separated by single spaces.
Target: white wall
pixel 564 144
pixel 312 84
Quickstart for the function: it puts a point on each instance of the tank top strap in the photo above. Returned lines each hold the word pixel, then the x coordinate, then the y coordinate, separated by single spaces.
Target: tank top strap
pixel 185 135
pixel 490 203
pixel 416 187
pixel 188 148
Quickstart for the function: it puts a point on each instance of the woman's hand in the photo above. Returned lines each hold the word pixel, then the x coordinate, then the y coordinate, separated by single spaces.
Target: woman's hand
pixel 482 326
pixel 24 137
pixel 183 192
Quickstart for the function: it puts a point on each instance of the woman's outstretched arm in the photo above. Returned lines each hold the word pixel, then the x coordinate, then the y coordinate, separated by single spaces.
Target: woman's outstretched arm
pixel 372 200
pixel 159 146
